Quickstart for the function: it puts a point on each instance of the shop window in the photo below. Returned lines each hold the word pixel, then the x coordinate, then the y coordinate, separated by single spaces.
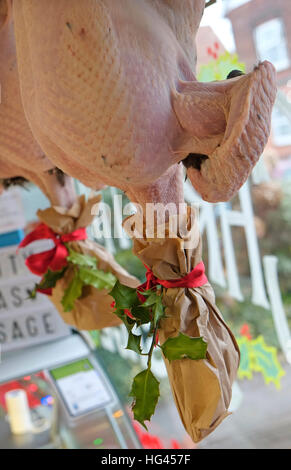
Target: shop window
pixel 232 4
pixel 281 127
pixel 271 43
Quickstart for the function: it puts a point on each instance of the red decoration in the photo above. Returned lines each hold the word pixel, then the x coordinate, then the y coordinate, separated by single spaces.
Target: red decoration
pixel 157 338
pixel 211 52
pixel 196 278
pixel 54 259
pixel 150 441
pixel 126 311
pixel 175 444
pixel 245 331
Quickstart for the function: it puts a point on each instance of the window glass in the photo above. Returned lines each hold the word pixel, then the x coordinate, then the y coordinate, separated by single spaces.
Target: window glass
pixel 281 127
pixel 230 4
pixel 271 43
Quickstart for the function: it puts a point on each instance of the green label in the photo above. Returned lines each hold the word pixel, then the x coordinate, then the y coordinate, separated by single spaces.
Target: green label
pixel 69 369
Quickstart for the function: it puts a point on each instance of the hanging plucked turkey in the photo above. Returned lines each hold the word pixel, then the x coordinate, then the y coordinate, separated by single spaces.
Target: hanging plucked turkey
pixel 109 90
pixel 110 93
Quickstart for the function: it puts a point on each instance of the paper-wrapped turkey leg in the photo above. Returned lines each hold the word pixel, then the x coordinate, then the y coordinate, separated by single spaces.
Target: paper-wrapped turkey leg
pixel 201 388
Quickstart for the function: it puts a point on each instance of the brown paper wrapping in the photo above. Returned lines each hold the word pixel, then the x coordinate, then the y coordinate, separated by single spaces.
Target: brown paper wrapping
pixel 93 310
pixel 201 389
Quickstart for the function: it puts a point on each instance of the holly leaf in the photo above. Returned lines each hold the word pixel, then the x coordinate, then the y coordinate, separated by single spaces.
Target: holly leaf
pixel 151 300
pixel 73 292
pixel 125 297
pixel 183 346
pixel 31 293
pixel 141 314
pixel 158 310
pixel 145 391
pixel 147 292
pixel 134 343
pixel 128 322
pixel 81 260
pixel 97 278
pixel 154 301
pixel 50 279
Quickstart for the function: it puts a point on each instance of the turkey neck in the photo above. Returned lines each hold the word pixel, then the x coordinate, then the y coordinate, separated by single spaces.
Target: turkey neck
pixel 60 192
pixel 166 191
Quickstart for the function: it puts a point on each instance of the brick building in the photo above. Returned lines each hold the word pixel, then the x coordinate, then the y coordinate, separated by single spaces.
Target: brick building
pixel 262 30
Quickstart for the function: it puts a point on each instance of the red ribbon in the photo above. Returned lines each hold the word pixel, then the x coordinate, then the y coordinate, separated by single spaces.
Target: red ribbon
pixel 196 278
pixel 54 259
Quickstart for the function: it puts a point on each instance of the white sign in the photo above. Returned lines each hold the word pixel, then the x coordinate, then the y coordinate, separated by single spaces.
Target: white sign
pixel 24 321
pixel 11 211
pixel 83 391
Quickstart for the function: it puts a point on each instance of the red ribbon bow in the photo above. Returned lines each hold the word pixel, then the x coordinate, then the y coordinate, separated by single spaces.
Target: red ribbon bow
pixel 196 278
pixel 54 259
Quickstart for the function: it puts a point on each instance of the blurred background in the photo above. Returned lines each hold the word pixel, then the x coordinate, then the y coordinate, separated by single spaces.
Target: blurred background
pixel 247 252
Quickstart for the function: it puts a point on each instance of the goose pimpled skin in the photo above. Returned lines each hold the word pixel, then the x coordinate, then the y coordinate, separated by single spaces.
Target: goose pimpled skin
pixel 112 85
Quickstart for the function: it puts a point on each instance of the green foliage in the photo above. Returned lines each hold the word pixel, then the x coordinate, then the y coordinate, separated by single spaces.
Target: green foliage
pixel 97 278
pixel 72 292
pixel 154 301
pixel 51 278
pixel 145 392
pixel 183 346
pixel 80 259
pixel 125 297
pixel 136 310
pixel 131 263
pixel 218 69
pixel 134 343
pixel 85 273
pixel 48 281
pixel 141 315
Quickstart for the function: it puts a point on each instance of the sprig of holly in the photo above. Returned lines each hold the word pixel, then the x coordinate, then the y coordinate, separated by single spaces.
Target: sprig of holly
pixel 86 273
pixel 136 308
